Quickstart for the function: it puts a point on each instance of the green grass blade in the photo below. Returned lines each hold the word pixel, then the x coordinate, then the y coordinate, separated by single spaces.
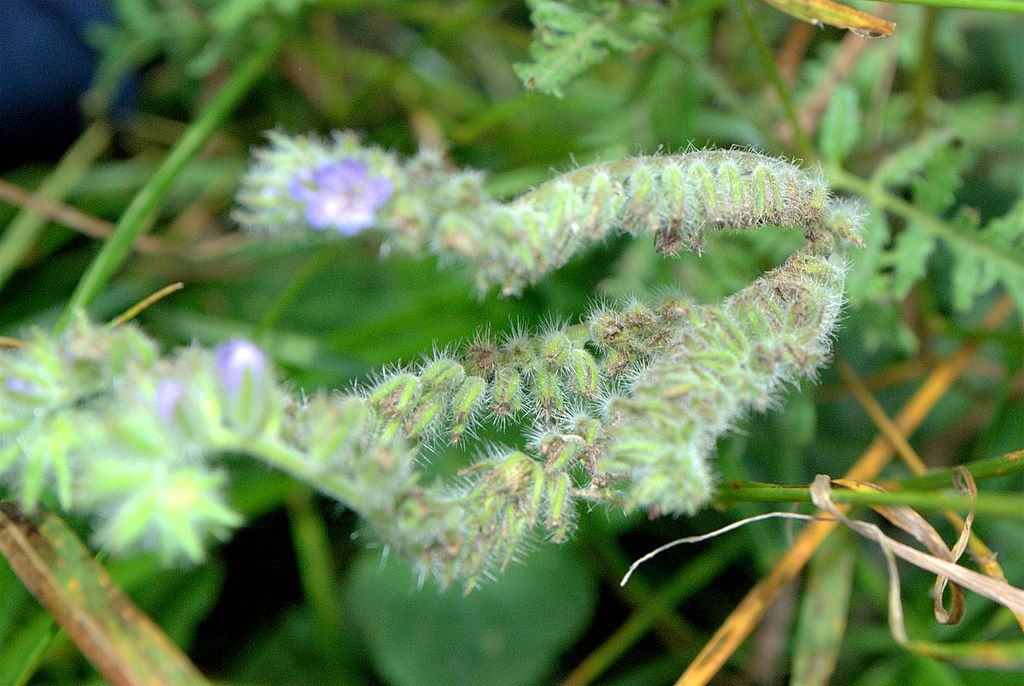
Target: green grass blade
pixel 133 221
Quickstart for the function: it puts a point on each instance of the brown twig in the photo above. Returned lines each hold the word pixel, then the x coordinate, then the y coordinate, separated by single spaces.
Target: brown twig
pixel 88 225
pixel 69 216
pixel 794 48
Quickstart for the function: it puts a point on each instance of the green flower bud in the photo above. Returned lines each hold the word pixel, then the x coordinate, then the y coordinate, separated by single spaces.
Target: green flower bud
pixel 767 192
pixel 441 376
pixel 616 362
pixel 394 396
pixel 585 373
pixel 560 510
pixel 245 384
pixel 558 452
pixel 336 426
pixel 642 199
pixel 677 230
pixel 420 422
pixel 702 183
pixel 605 328
pixel 465 403
pixel 546 389
pixel 603 203
pixel 555 348
pixel 481 355
pixel 730 201
pixel 506 393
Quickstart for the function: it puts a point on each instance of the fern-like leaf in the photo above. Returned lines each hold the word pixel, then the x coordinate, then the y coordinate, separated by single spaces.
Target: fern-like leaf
pixel 975 273
pixel 983 257
pixel 572 36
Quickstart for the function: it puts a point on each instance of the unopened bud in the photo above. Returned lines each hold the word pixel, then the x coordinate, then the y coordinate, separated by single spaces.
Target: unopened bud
pixel 243 374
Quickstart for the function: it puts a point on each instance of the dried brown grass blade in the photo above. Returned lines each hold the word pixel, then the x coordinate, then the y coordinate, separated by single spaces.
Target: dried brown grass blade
pixel 984 555
pixel 835 14
pixel 999 591
pixel 122 643
pixel 133 311
pixel 913 523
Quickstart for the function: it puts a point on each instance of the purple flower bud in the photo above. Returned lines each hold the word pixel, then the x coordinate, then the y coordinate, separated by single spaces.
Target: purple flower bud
pixel 20 386
pixel 340 195
pixel 236 359
pixel 168 395
pixel 25 391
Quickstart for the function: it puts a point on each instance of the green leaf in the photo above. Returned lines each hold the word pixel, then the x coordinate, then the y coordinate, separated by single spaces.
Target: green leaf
pixel 901 166
pixel 933 169
pixel 841 125
pixel 572 36
pixel 289 652
pixel 863 281
pixel 924 670
pixel 975 274
pixel 981 257
pixel 934 189
pixel 504 633
pixel 823 611
pixel 880 326
pixel 25 629
pixel 908 259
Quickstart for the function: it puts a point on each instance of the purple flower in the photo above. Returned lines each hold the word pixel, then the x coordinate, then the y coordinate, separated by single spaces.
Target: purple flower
pixel 340 195
pixel 237 359
pixel 20 386
pixel 168 395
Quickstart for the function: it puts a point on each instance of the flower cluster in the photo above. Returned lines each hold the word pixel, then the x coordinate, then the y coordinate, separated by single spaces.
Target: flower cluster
pixel 340 195
pixel 622 407
pixel 98 419
pixel 677 198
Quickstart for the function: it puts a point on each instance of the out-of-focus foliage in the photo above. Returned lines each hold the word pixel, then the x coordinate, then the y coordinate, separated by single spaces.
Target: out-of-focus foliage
pixel 570 37
pixel 926 126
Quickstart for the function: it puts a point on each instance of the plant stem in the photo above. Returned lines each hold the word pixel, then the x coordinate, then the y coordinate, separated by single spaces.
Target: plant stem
pixel 1001 504
pixel 23 230
pixel 1010 463
pixel 924 73
pixel 316 567
pixel 997 5
pixel 288 460
pixel 133 222
pixel 313 265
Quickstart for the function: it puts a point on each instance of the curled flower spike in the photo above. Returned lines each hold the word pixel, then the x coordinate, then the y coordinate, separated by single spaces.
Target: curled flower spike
pixel 624 406
pixel 340 195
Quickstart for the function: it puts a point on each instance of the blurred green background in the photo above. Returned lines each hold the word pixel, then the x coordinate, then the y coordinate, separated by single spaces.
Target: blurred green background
pixel 302 595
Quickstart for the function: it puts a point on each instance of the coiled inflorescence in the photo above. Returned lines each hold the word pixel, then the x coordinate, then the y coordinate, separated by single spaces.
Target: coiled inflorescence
pixel 623 406
pixel 677 198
